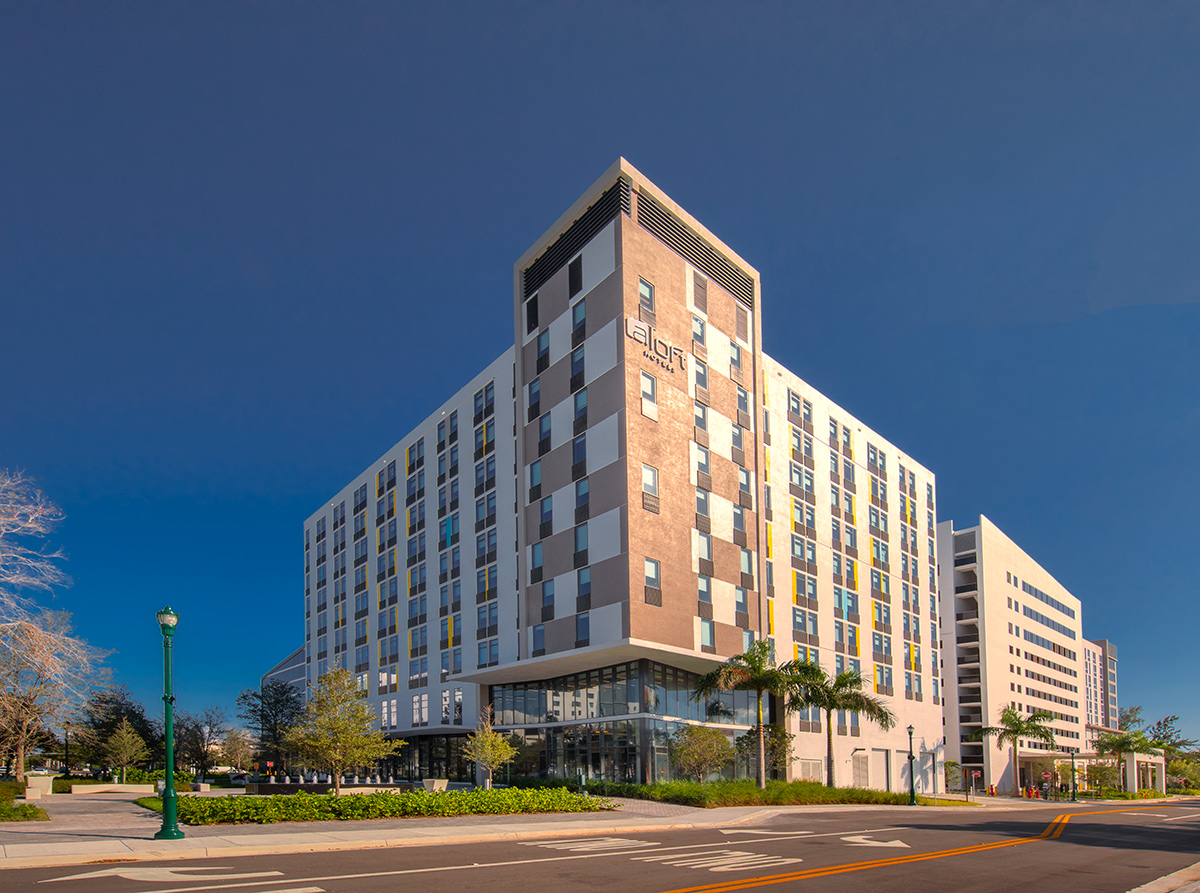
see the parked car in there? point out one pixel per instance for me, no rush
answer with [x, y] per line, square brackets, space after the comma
[40, 770]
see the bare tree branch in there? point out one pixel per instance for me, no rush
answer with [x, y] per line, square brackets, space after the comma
[25, 513]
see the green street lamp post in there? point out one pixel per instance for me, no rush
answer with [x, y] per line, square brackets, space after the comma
[1074, 799]
[67, 748]
[912, 776]
[170, 827]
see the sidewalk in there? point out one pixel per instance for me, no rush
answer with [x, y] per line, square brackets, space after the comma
[92, 827]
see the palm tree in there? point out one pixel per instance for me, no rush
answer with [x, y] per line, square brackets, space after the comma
[811, 686]
[1120, 743]
[752, 670]
[1015, 725]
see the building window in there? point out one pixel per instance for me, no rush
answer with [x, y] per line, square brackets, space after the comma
[701, 416]
[743, 400]
[579, 449]
[582, 493]
[575, 276]
[650, 480]
[649, 388]
[531, 316]
[736, 437]
[581, 404]
[701, 375]
[581, 538]
[543, 349]
[548, 594]
[577, 361]
[706, 547]
[698, 330]
[702, 462]
[701, 502]
[535, 396]
[704, 589]
[539, 638]
[548, 510]
[707, 639]
[652, 570]
[578, 316]
[646, 295]
[735, 356]
[583, 580]
[649, 396]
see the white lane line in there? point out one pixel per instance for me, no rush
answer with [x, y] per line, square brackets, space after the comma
[1176, 818]
[161, 875]
[599, 844]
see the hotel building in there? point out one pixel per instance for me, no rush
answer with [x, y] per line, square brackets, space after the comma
[1100, 687]
[1016, 637]
[652, 493]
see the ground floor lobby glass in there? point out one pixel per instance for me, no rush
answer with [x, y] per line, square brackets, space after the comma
[628, 712]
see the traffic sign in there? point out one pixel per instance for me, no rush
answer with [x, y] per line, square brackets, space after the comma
[976, 773]
[1046, 776]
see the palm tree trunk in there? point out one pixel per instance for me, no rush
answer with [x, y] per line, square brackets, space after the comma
[1016, 787]
[829, 749]
[762, 747]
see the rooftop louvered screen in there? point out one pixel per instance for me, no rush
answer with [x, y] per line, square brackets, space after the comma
[611, 202]
[693, 248]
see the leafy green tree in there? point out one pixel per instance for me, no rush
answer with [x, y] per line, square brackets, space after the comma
[236, 749]
[1101, 776]
[269, 712]
[100, 715]
[954, 774]
[1015, 725]
[811, 686]
[1130, 718]
[488, 748]
[1166, 735]
[779, 747]
[125, 748]
[338, 731]
[700, 750]
[199, 738]
[1121, 743]
[1186, 770]
[752, 670]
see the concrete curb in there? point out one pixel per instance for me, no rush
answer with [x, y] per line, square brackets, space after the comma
[1186, 880]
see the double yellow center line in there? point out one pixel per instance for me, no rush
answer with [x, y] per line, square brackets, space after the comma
[1051, 832]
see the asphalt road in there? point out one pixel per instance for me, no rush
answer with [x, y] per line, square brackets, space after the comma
[1114, 847]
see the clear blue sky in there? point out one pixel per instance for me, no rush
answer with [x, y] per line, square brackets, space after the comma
[245, 247]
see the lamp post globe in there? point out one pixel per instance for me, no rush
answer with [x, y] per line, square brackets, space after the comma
[167, 620]
[912, 778]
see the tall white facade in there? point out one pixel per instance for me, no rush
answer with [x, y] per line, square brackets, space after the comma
[1013, 635]
[851, 526]
[410, 568]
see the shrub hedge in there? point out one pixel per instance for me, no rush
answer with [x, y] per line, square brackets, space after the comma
[10, 791]
[380, 805]
[744, 793]
[22, 812]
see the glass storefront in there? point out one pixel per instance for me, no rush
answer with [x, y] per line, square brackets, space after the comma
[563, 727]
